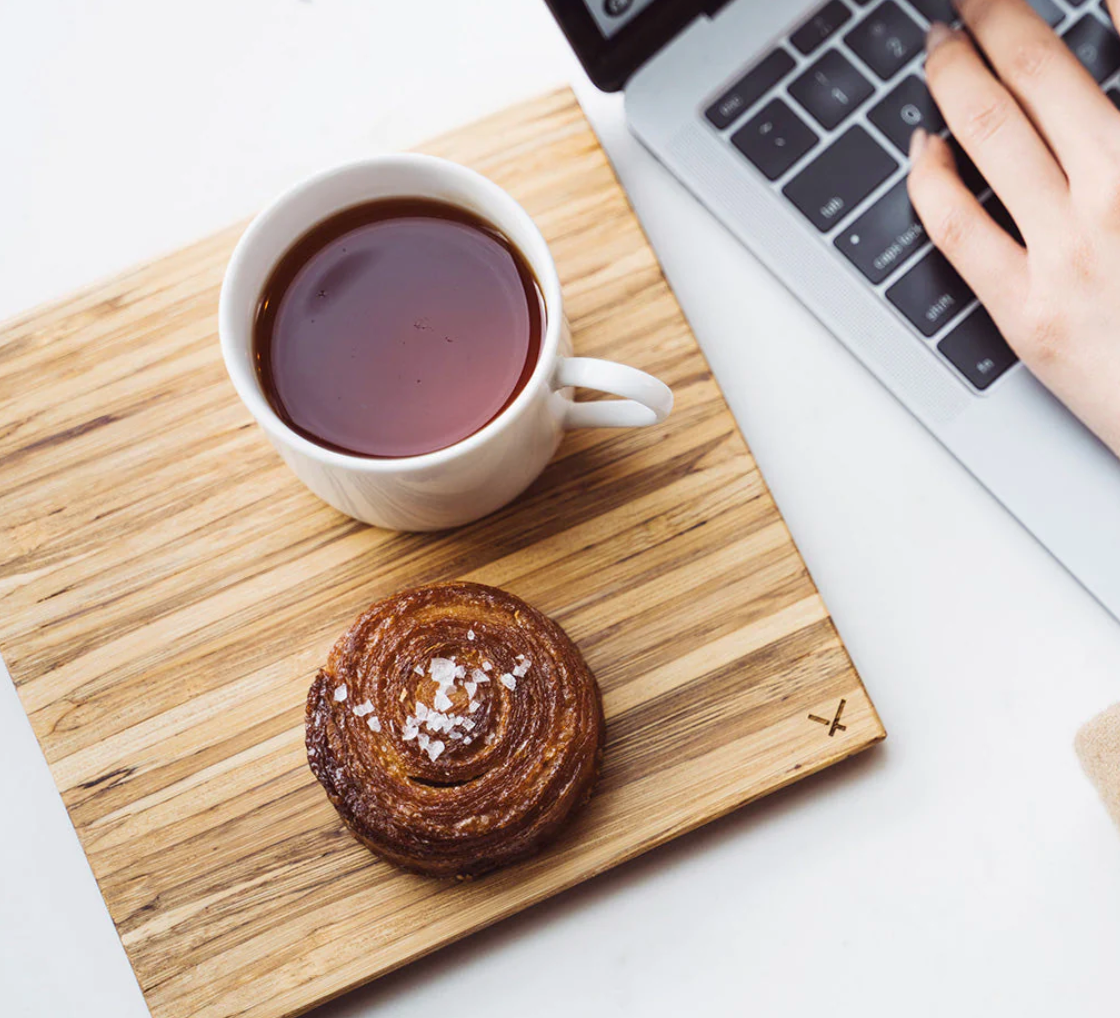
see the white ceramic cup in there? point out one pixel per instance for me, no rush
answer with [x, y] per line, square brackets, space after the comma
[484, 471]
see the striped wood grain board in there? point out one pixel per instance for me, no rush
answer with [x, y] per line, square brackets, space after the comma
[167, 591]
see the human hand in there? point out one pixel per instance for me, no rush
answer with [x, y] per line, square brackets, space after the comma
[1047, 139]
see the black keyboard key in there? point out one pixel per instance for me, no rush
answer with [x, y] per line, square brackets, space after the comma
[909, 106]
[937, 10]
[1114, 94]
[775, 139]
[751, 87]
[886, 39]
[977, 350]
[1095, 45]
[931, 294]
[944, 11]
[1048, 11]
[969, 174]
[840, 178]
[884, 237]
[998, 211]
[820, 26]
[1076, 3]
[831, 89]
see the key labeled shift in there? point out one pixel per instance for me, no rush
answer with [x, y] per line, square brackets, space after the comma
[931, 294]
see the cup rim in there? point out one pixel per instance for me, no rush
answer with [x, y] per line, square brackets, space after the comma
[540, 263]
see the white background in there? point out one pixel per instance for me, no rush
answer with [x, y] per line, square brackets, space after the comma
[965, 864]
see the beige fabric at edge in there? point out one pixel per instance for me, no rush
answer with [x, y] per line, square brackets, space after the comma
[1098, 746]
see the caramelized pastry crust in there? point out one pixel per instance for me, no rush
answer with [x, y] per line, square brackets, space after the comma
[455, 728]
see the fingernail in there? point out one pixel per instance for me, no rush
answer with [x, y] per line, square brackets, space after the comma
[917, 143]
[938, 33]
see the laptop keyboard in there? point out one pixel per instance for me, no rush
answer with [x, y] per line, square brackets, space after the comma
[826, 117]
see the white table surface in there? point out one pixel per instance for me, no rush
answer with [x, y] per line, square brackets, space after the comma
[965, 864]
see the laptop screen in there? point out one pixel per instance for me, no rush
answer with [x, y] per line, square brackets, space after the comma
[613, 38]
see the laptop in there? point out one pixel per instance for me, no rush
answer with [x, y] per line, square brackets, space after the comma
[791, 121]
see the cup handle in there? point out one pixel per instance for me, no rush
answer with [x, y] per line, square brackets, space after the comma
[647, 400]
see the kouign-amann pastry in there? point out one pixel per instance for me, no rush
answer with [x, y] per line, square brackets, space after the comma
[455, 729]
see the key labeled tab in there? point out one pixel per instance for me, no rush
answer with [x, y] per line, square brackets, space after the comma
[840, 178]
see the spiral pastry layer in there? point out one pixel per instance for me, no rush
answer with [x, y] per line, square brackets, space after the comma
[455, 729]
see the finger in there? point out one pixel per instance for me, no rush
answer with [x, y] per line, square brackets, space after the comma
[996, 134]
[1048, 81]
[992, 264]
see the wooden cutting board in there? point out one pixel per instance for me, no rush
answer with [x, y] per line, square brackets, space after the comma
[168, 590]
